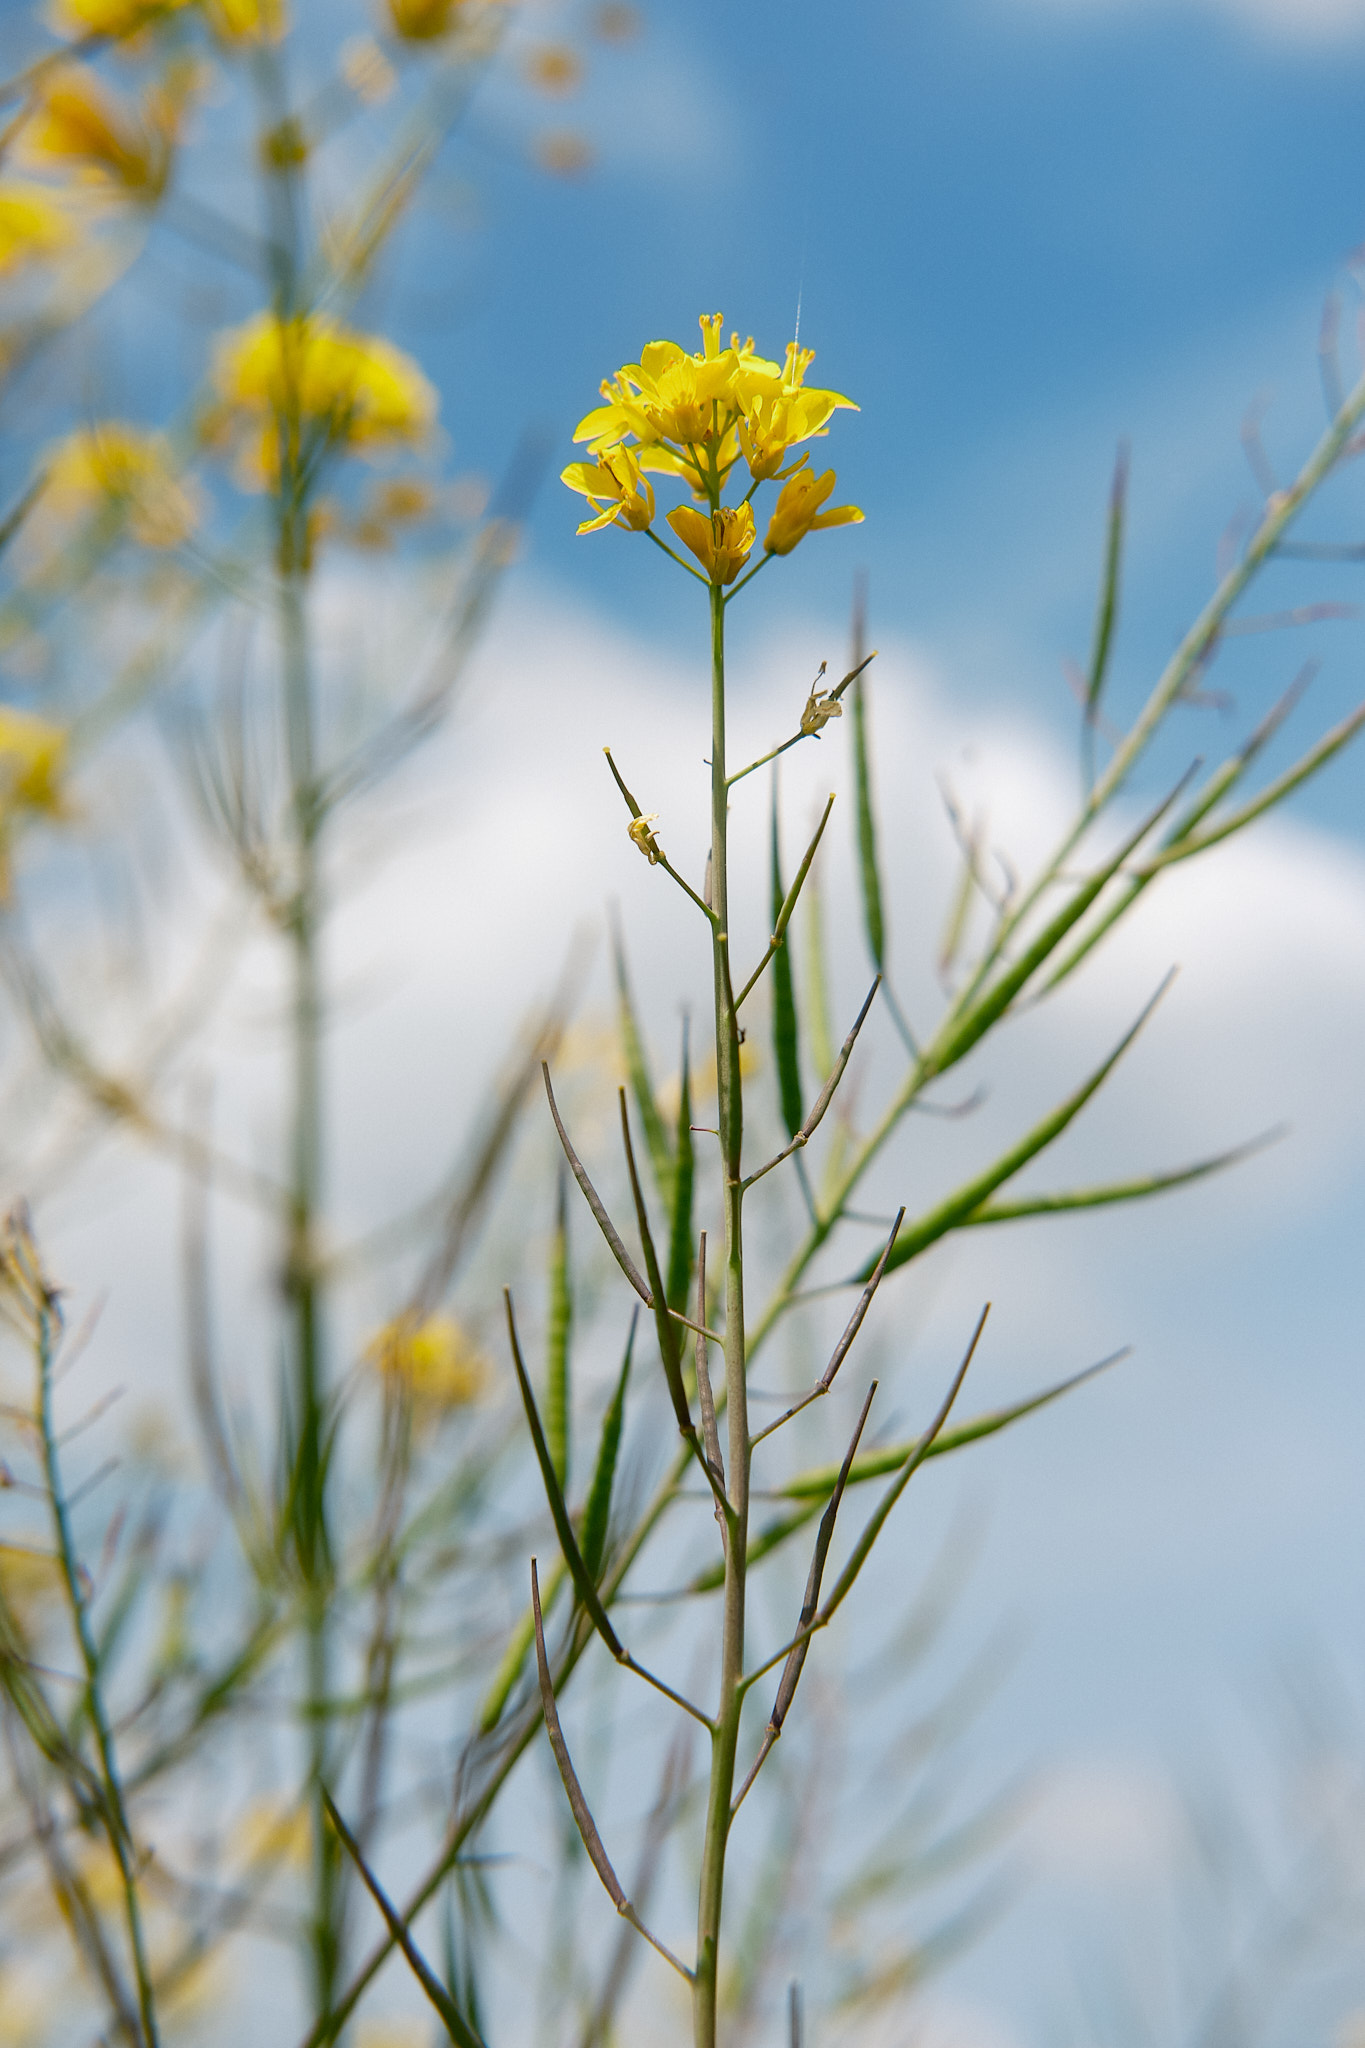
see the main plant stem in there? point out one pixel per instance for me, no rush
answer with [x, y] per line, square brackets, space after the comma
[312, 1546]
[306, 1399]
[730, 1124]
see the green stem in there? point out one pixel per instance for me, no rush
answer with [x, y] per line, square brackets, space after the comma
[114, 1810]
[308, 1392]
[730, 1122]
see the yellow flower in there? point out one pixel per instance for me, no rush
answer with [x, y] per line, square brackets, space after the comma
[696, 414]
[819, 710]
[123, 468]
[797, 511]
[32, 760]
[79, 129]
[615, 489]
[638, 828]
[247, 21]
[32, 224]
[778, 417]
[76, 18]
[422, 21]
[434, 1359]
[720, 540]
[312, 379]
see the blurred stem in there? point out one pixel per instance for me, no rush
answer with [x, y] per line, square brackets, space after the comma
[305, 1281]
[114, 1812]
[725, 1737]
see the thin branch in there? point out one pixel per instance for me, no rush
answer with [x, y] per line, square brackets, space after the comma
[841, 1349]
[455, 2022]
[789, 903]
[594, 1200]
[791, 1676]
[573, 1557]
[863, 1548]
[826, 1095]
[583, 1820]
[705, 1397]
[659, 857]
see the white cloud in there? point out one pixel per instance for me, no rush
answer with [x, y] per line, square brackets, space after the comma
[1308, 22]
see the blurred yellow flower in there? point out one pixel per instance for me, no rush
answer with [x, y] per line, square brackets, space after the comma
[247, 21]
[31, 1583]
[23, 2008]
[367, 70]
[720, 540]
[433, 1358]
[33, 224]
[80, 130]
[273, 1831]
[797, 511]
[312, 381]
[32, 761]
[564, 153]
[553, 68]
[615, 489]
[422, 21]
[74, 18]
[122, 468]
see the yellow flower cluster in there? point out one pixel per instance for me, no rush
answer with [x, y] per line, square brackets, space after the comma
[121, 468]
[79, 130]
[235, 21]
[433, 1359]
[78, 18]
[697, 416]
[310, 382]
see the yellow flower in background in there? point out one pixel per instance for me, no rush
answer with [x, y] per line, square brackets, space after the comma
[78, 129]
[32, 763]
[553, 68]
[247, 21]
[311, 378]
[23, 2007]
[720, 540]
[615, 489]
[75, 18]
[273, 1831]
[122, 468]
[424, 21]
[436, 1361]
[31, 1583]
[33, 224]
[797, 511]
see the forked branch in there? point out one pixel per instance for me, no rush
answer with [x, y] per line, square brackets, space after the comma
[796, 1657]
[826, 1095]
[583, 1820]
[842, 1348]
